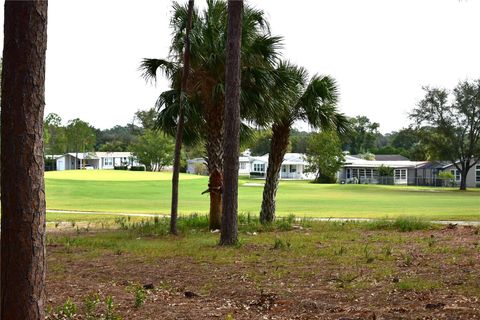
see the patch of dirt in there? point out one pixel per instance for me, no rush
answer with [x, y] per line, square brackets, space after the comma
[184, 288]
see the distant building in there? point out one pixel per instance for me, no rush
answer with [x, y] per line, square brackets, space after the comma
[358, 170]
[405, 172]
[95, 160]
[293, 166]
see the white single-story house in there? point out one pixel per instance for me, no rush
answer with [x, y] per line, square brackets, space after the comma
[357, 170]
[293, 166]
[95, 160]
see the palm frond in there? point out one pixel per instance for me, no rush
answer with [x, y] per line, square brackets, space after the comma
[149, 68]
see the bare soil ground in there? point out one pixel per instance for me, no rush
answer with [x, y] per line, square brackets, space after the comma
[301, 274]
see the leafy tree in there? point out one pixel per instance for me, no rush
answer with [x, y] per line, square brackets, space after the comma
[147, 118]
[405, 139]
[324, 155]
[299, 141]
[385, 171]
[204, 112]
[154, 149]
[231, 146]
[453, 122]
[298, 97]
[80, 137]
[23, 257]
[363, 136]
[260, 143]
[117, 138]
[54, 135]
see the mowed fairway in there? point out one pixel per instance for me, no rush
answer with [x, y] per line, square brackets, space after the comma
[149, 192]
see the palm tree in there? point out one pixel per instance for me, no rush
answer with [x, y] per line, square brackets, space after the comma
[181, 122]
[310, 100]
[232, 124]
[23, 261]
[206, 86]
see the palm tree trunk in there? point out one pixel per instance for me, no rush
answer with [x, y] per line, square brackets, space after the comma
[214, 148]
[180, 122]
[229, 226]
[278, 148]
[23, 261]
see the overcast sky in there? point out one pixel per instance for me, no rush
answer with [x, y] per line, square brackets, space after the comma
[380, 51]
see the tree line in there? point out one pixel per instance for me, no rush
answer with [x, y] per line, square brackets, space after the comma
[152, 147]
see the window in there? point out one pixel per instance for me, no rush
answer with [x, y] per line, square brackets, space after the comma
[349, 173]
[243, 165]
[108, 162]
[368, 173]
[457, 174]
[293, 168]
[259, 167]
[477, 173]
[400, 174]
[355, 173]
[361, 173]
[284, 168]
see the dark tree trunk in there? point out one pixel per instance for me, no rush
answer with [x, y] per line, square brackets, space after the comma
[22, 187]
[214, 147]
[180, 123]
[464, 168]
[278, 148]
[229, 226]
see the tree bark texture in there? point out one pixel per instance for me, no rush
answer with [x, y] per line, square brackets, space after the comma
[229, 228]
[278, 148]
[22, 185]
[180, 122]
[214, 148]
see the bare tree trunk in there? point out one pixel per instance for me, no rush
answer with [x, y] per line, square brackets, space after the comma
[278, 148]
[180, 122]
[22, 186]
[229, 234]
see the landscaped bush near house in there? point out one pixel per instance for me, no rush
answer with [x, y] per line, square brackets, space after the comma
[448, 178]
[256, 174]
[120, 167]
[200, 169]
[137, 168]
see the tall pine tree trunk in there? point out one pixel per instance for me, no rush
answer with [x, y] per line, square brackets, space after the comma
[22, 287]
[229, 226]
[180, 123]
[278, 148]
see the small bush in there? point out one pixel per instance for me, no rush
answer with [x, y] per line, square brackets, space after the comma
[280, 244]
[138, 168]
[120, 167]
[140, 295]
[90, 306]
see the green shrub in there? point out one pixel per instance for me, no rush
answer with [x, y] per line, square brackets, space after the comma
[402, 224]
[120, 167]
[137, 168]
[280, 244]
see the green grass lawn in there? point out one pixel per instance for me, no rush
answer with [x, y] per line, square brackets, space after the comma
[147, 192]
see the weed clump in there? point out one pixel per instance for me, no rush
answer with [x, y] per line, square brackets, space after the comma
[402, 224]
